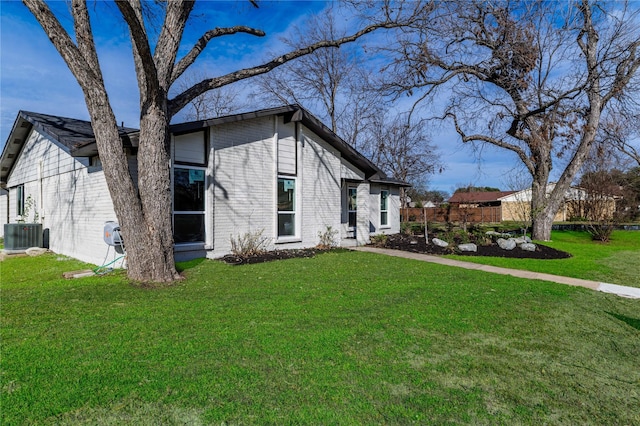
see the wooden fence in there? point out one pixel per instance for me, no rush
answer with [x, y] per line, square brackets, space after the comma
[452, 214]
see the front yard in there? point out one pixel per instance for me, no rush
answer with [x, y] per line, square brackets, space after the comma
[615, 262]
[342, 338]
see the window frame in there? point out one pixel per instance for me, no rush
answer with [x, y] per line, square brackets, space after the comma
[355, 210]
[294, 212]
[202, 212]
[384, 208]
[20, 200]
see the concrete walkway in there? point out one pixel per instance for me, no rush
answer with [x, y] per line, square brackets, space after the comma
[630, 292]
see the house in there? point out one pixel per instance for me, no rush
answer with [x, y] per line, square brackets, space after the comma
[496, 206]
[278, 171]
[476, 199]
[577, 204]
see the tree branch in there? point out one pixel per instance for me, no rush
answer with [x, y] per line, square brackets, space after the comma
[63, 43]
[181, 100]
[200, 45]
[168, 44]
[145, 65]
[84, 36]
[494, 141]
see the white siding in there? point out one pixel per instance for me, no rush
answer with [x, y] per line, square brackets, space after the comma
[349, 171]
[287, 148]
[244, 179]
[4, 210]
[72, 203]
[320, 188]
[363, 218]
[393, 225]
[245, 174]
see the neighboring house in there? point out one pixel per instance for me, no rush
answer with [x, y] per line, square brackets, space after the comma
[478, 199]
[279, 171]
[517, 206]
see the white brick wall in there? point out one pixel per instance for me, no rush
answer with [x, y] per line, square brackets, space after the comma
[4, 210]
[245, 177]
[243, 180]
[320, 188]
[393, 226]
[71, 202]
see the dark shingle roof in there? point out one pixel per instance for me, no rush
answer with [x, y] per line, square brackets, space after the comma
[76, 136]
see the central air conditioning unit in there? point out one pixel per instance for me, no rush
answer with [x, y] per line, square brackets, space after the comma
[21, 236]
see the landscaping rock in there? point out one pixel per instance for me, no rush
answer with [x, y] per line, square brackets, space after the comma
[468, 247]
[509, 244]
[439, 242]
[520, 240]
[528, 247]
[496, 234]
[35, 251]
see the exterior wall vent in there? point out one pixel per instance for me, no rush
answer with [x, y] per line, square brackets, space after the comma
[21, 236]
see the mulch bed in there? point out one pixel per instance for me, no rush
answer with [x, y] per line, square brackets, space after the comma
[417, 244]
[269, 256]
[405, 242]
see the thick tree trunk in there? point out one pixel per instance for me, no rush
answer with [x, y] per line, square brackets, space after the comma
[153, 259]
[145, 219]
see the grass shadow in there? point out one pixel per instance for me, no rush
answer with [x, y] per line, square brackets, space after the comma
[189, 264]
[633, 322]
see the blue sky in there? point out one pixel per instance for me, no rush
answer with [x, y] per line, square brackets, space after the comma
[33, 77]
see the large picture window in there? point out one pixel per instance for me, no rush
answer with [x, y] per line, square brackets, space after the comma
[188, 204]
[286, 207]
[384, 208]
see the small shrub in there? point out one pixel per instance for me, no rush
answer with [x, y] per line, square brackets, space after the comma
[481, 238]
[412, 228]
[379, 240]
[327, 238]
[249, 244]
[600, 232]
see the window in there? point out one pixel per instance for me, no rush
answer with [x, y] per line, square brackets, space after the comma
[352, 205]
[20, 200]
[384, 208]
[286, 207]
[188, 204]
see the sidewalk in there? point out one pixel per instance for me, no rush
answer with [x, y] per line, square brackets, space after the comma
[630, 292]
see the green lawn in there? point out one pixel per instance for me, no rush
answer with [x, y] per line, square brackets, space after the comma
[616, 262]
[342, 338]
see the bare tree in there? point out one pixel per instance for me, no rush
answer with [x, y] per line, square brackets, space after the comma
[519, 181]
[144, 210]
[403, 150]
[530, 77]
[336, 84]
[622, 132]
[333, 83]
[597, 193]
